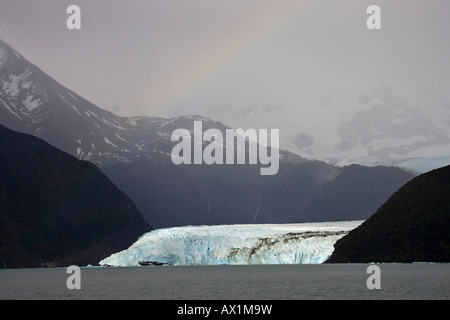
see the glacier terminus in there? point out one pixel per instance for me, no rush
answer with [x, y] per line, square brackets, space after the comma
[305, 243]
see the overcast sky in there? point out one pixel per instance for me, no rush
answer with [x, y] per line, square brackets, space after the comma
[164, 57]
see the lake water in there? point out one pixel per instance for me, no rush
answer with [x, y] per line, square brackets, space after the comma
[246, 282]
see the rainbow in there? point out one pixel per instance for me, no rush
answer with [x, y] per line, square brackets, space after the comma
[267, 21]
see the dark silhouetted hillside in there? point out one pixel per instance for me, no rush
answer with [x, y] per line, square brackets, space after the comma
[56, 210]
[413, 225]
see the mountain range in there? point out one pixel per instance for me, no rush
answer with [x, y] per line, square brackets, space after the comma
[135, 154]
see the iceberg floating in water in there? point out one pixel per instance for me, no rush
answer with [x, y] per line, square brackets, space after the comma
[305, 243]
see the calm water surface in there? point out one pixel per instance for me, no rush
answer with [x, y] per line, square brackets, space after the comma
[254, 282]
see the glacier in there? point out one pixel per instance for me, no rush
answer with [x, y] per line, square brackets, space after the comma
[304, 243]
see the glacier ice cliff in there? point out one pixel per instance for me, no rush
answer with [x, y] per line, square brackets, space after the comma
[305, 243]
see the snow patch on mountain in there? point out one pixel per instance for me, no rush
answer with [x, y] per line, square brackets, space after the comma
[109, 142]
[31, 102]
[11, 87]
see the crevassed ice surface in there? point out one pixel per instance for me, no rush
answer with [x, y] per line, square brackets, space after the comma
[306, 243]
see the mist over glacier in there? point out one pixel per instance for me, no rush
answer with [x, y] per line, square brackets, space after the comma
[305, 243]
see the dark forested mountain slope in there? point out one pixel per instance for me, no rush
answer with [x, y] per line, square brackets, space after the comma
[56, 210]
[413, 225]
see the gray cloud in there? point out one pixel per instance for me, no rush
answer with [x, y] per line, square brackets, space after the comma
[170, 57]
